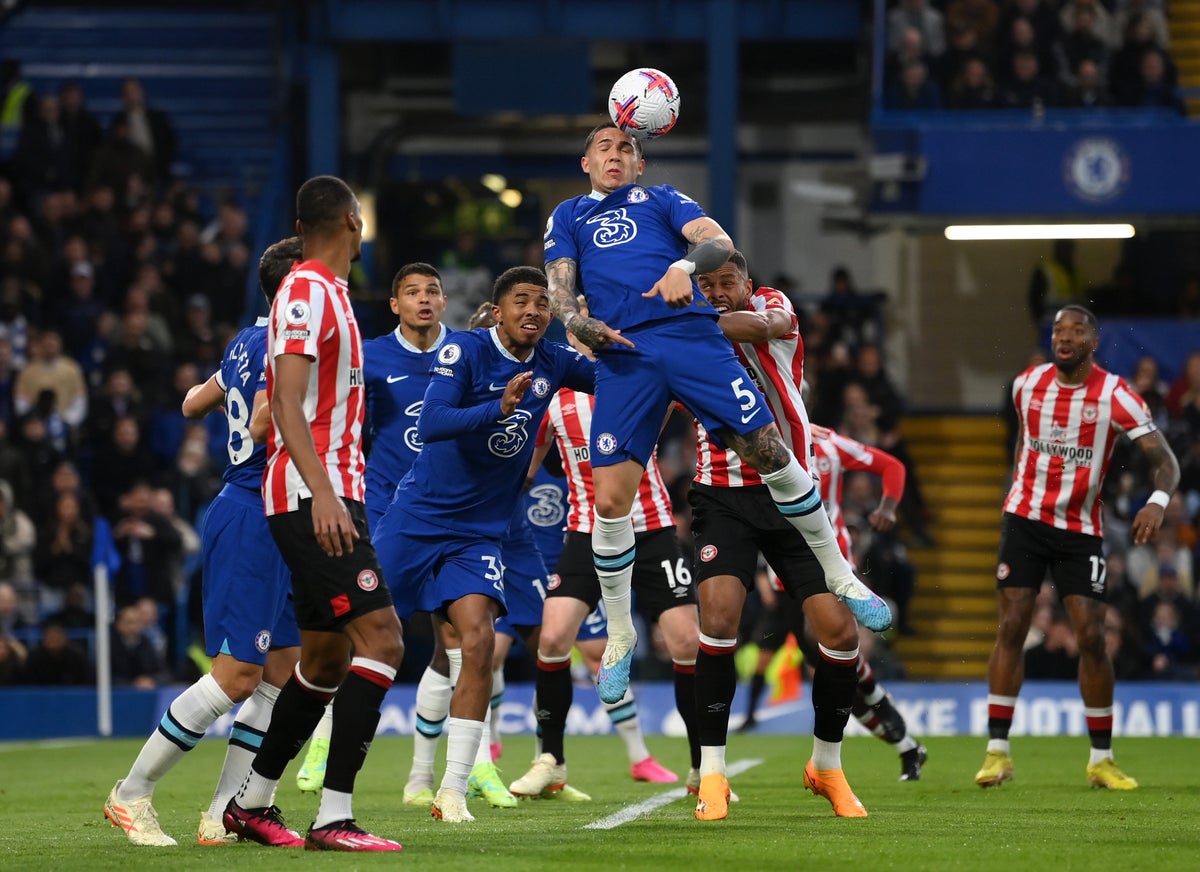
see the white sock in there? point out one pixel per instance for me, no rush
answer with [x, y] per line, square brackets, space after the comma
[483, 754]
[335, 806]
[433, 704]
[614, 549]
[905, 744]
[324, 728]
[462, 742]
[1000, 745]
[712, 760]
[182, 726]
[497, 698]
[244, 741]
[1098, 755]
[624, 717]
[826, 755]
[792, 487]
[454, 655]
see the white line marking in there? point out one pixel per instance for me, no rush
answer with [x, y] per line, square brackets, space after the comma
[635, 811]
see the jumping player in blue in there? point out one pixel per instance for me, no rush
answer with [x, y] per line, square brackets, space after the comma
[626, 245]
[440, 538]
[249, 624]
[396, 372]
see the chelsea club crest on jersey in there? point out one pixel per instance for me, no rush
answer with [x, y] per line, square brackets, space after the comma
[638, 194]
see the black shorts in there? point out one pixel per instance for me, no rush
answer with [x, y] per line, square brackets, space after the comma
[732, 525]
[662, 578]
[329, 592]
[1029, 548]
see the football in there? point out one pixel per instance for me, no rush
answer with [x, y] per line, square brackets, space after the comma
[644, 103]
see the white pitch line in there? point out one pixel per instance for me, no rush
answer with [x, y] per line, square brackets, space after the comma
[635, 811]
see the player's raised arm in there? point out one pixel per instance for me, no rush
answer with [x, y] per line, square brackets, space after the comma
[711, 247]
[1165, 475]
[203, 398]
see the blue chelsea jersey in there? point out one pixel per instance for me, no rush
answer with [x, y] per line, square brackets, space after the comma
[544, 506]
[469, 474]
[396, 373]
[623, 244]
[243, 374]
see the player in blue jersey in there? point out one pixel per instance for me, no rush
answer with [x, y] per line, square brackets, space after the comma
[626, 245]
[249, 625]
[440, 538]
[396, 372]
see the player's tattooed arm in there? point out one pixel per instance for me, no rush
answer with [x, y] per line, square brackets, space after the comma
[762, 448]
[1165, 477]
[711, 246]
[590, 331]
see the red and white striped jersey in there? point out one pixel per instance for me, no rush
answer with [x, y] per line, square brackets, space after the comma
[1067, 438]
[311, 315]
[835, 454]
[570, 418]
[777, 368]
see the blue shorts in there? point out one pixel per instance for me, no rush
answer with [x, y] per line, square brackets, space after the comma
[247, 589]
[594, 626]
[429, 567]
[687, 359]
[525, 578]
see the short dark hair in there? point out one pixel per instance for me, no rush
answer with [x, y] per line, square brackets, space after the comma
[322, 201]
[1083, 311]
[276, 262]
[739, 260]
[587, 143]
[510, 278]
[414, 269]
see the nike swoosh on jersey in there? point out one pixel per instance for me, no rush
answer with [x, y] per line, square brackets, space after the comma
[495, 387]
[392, 379]
[746, 418]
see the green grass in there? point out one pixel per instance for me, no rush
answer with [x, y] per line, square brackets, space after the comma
[52, 797]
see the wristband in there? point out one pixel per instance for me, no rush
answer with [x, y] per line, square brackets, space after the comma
[684, 264]
[1159, 498]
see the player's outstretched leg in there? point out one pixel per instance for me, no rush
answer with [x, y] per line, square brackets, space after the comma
[614, 551]
[875, 710]
[311, 777]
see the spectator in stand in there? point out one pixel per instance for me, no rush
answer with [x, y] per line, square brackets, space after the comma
[135, 348]
[854, 317]
[980, 16]
[12, 660]
[965, 45]
[1040, 14]
[148, 128]
[1080, 43]
[194, 478]
[1147, 562]
[44, 161]
[1148, 384]
[15, 105]
[1154, 88]
[55, 661]
[135, 660]
[973, 88]
[18, 539]
[913, 90]
[1023, 86]
[1125, 69]
[63, 558]
[12, 617]
[1184, 394]
[80, 129]
[1056, 657]
[1023, 37]
[75, 614]
[1168, 644]
[1076, 14]
[78, 315]
[162, 501]
[920, 16]
[50, 370]
[36, 446]
[8, 379]
[121, 461]
[117, 162]
[150, 549]
[197, 333]
[14, 466]
[1124, 646]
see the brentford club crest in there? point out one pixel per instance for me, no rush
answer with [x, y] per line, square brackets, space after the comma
[368, 580]
[1002, 571]
[553, 581]
[1090, 412]
[707, 553]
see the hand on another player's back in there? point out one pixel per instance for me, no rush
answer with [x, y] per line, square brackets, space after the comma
[675, 287]
[517, 386]
[595, 334]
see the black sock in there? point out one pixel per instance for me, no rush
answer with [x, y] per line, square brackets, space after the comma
[554, 695]
[355, 717]
[716, 683]
[294, 717]
[757, 684]
[685, 702]
[832, 696]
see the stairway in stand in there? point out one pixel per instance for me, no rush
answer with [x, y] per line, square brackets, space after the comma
[963, 468]
[1183, 22]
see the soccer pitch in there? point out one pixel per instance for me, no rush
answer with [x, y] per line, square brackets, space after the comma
[1047, 818]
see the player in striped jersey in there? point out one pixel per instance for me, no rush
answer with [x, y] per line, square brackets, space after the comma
[313, 493]
[1070, 413]
[661, 579]
[249, 624]
[396, 370]
[657, 341]
[733, 520]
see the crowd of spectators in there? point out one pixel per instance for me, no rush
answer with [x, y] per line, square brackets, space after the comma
[119, 289]
[1029, 54]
